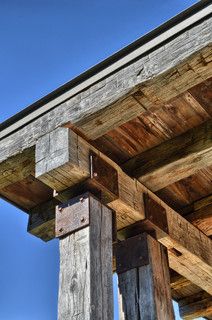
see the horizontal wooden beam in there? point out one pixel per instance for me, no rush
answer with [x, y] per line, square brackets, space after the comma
[196, 306]
[63, 161]
[181, 287]
[157, 76]
[202, 219]
[199, 213]
[188, 248]
[174, 159]
[17, 168]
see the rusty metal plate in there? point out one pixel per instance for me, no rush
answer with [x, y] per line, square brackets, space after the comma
[131, 253]
[155, 213]
[72, 215]
[103, 178]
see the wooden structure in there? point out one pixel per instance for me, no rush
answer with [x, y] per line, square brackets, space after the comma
[118, 163]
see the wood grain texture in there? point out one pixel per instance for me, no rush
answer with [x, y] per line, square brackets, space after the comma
[27, 193]
[153, 127]
[86, 288]
[72, 166]
[41, 222]
[162, 74]
[189, 190]
[145, 290]
[174, 159]
[196, 306]
[182, 287]
[202, 219]
[194, 261]
[17, 168]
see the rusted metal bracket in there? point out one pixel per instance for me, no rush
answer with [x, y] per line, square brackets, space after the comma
[72, 215]
[155, 221]
[103, 179]
[75, 215]
[155, 214]
[131, 253]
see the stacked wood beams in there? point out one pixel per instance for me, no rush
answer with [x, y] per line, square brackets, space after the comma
[188, 248]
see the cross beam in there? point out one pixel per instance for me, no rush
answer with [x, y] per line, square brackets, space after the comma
[64, 164]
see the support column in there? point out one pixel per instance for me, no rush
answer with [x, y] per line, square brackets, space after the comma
[144, 282]
[84, 226]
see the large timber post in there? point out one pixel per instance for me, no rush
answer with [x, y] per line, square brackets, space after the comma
[144, 283]
[84, 226]
[71, 166]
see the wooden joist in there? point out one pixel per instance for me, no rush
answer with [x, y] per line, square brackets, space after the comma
[174, 159]
[188, 248]
[198, 305]
[199, 214]
[202, 219]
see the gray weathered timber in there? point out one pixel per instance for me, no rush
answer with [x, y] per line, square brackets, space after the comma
[145, 290]
[191, 257]
[86, 288]
[160, 75]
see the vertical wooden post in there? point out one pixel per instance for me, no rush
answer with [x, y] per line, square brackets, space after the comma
[144, 282]
[86, 287]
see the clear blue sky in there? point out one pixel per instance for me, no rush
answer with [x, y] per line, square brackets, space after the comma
[44, 44]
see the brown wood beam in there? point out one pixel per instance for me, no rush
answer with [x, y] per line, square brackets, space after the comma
[66, 165]
[202, 219]
[199, 214]
[174, 159]
[181, 287]
[17, 168]
[198, 305]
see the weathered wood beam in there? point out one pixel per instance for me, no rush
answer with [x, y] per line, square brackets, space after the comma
[144, 282]
[202, 219]
[17, 168]
[188, 248]
[181, 287]
[199, 213]
[159, 75]
[41, 221]
[198, 305]
[174, 159]
[63, 161]
[86, 285]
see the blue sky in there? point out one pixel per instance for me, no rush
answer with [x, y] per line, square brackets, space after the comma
[43, 45]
